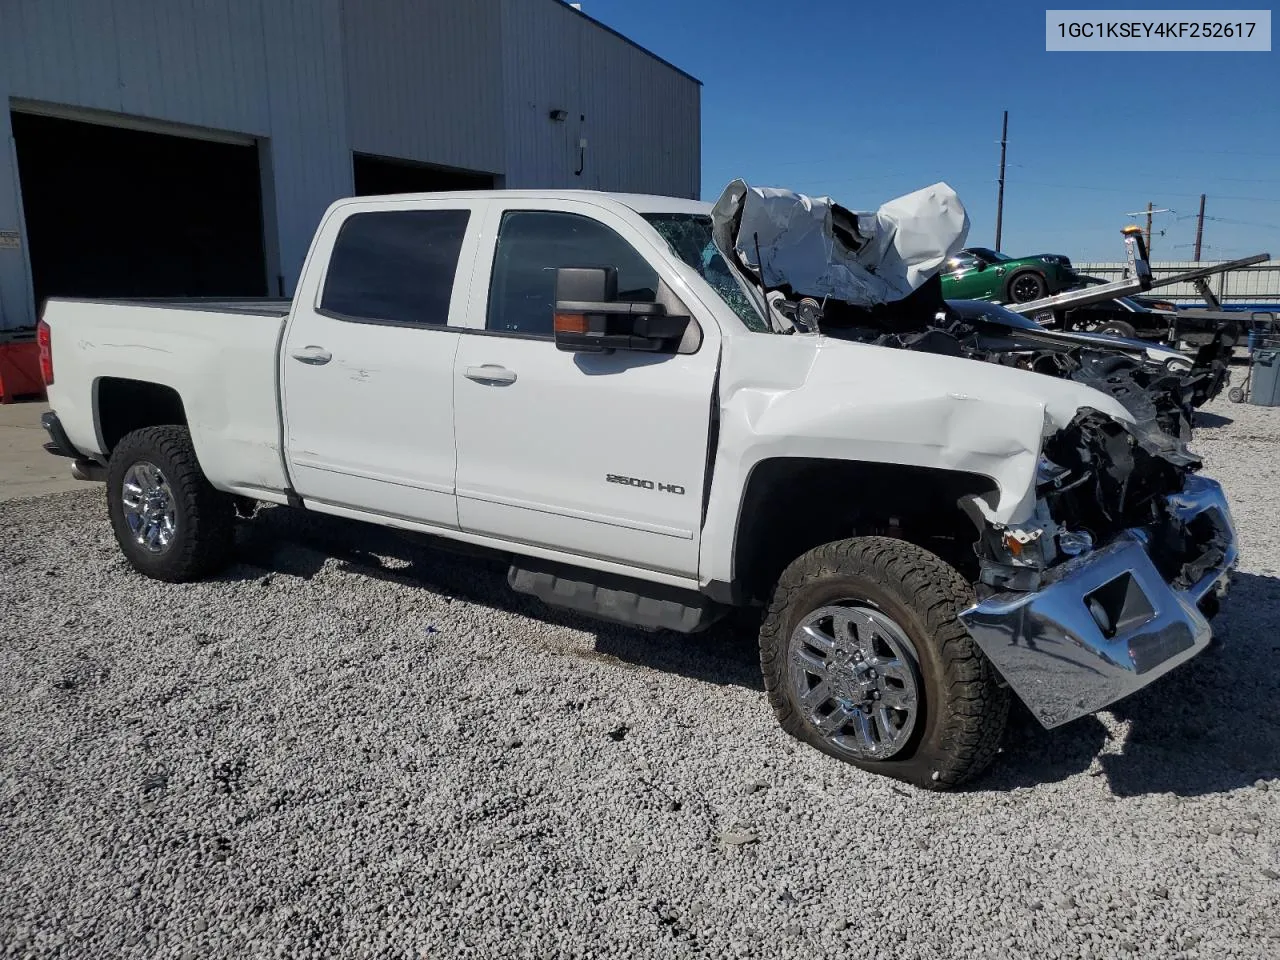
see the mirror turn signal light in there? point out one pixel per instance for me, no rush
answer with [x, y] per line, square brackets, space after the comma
[570, 323]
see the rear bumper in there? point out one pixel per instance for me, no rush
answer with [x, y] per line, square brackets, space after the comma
[83, 467]
[1107, 624]
[58, 444]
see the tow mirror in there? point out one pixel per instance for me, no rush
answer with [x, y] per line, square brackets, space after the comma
[589, 317]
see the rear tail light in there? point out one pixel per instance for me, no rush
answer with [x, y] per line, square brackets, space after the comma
[44, 341]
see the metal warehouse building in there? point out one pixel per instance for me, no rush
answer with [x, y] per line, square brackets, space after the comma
[189, 147]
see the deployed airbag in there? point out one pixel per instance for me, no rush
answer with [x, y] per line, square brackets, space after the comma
[814, 247]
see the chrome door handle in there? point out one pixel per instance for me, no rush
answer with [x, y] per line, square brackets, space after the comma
[313, 355]
[491, 373]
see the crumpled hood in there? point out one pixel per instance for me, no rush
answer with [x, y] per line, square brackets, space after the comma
[964, 380]
[856, 402]
[815, 247]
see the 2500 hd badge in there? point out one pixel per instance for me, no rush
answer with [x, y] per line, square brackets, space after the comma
[644, 484]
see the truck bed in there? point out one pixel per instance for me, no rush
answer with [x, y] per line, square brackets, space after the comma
[218, 356]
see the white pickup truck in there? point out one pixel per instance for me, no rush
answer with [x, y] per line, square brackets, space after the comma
[930, 514]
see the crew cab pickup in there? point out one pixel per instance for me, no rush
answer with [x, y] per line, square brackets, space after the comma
[604, 389]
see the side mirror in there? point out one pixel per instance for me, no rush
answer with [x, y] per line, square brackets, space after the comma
[980, 265]
[589, 317]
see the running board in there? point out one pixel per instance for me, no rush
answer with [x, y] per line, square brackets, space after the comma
[622, 600]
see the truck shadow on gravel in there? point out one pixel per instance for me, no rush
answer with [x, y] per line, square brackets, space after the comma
[1204, 420]
[1211, 726]
[294, 543]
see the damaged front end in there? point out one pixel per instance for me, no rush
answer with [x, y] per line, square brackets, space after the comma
[1114, 580]
[1120, 550]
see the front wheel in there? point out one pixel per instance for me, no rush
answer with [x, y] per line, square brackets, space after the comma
[170, 522]
[1026, 286]
[866, 659]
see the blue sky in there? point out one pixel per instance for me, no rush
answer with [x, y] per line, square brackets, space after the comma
[868, 99]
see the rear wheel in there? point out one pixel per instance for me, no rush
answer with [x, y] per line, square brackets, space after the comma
[1117, 328]
[170, 522]
[865, 658]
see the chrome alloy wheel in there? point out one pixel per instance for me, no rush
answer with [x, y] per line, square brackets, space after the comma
[149, 509]
[854, 675]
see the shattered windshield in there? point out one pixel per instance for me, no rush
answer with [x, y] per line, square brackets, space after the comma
[689, 236]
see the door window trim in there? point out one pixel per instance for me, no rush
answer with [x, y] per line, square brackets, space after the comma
[383, 322]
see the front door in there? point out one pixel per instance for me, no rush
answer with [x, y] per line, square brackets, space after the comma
[963, 280]
[367, 363]
[600, 455]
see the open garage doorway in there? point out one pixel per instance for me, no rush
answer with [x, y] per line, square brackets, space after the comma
[116, 212]
[378, 175]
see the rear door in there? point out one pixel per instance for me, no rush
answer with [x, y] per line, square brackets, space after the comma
[367, 363]
[599, 455]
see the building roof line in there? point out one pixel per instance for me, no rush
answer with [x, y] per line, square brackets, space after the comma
[623, 37]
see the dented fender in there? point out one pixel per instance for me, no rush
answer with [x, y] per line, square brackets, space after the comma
[825, 398]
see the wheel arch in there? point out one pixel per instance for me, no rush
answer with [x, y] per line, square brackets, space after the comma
[793, 504]
[122, 405]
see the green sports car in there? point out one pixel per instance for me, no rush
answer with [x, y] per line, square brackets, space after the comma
[976, 273]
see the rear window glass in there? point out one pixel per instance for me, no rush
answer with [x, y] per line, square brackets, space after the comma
[395, 266]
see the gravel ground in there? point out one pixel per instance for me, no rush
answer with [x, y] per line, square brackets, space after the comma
[350, 745]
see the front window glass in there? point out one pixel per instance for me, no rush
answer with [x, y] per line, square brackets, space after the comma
[689, 236]
[533, 244]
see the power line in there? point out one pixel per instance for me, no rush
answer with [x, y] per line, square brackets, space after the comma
[1167, 193]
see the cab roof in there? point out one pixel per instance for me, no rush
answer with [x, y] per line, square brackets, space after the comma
[639, 202]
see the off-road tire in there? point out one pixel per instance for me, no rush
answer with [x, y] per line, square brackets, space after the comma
[205, 518]
[965, 705]
[1023, 275]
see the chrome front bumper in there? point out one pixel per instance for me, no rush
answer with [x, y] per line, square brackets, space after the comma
[1105, 624]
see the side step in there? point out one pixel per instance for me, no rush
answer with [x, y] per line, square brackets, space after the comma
[620, 599]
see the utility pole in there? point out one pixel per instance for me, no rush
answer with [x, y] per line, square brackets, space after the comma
[1151, 209]
[1004, 139]
[1199, 228]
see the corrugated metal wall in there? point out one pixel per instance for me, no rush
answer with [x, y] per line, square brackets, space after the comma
[422, 82]
[460, 84]
[1259, 283]
[309, 153]
[641, 117]
[270, 69]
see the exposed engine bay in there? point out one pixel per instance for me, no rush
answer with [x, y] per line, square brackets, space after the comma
[1161, 390]
[1098, 476]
